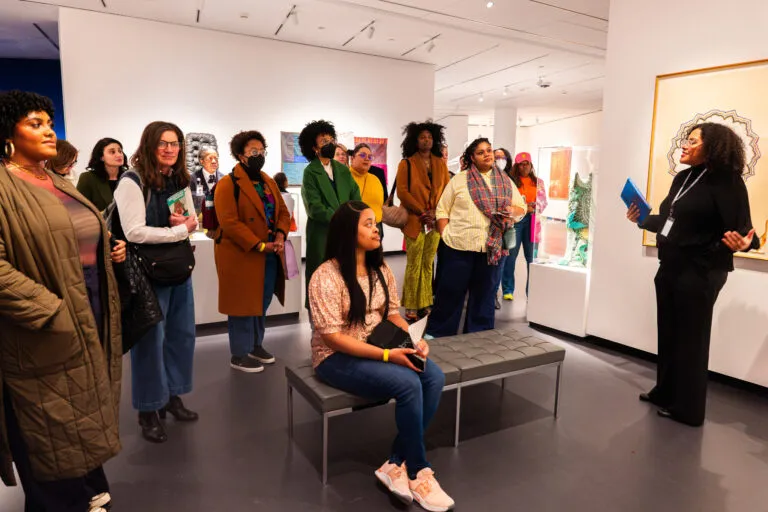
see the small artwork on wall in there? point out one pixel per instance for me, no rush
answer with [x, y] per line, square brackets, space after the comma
[560, 174]
[724, 95]
[292, 162]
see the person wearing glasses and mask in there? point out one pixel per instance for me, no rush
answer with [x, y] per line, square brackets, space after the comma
[253, 225]
[161, 361]
[371, 190]
[65, 159]
[326, 185]
[703, 220]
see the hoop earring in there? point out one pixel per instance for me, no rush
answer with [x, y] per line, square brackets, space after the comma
[10, 149]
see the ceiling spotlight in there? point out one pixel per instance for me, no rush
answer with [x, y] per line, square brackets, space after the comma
[431, 47]
[481, 98]
[489, 5]
[371, 31]
[506, 91]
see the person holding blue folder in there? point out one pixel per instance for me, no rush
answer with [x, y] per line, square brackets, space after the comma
[703, 220]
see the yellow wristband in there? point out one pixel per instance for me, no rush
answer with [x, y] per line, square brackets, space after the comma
[262, 246]
[386, 355]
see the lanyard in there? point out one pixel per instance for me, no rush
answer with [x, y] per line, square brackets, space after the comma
[683, 190]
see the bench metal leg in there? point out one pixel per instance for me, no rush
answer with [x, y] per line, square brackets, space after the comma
[557, 388]
[290, 411]
[458, 416]
[503, 383]
[325, 448]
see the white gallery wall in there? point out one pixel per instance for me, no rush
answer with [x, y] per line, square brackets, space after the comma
[119, 74]
[647, 39]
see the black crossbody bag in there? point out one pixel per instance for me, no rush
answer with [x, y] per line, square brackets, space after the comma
[387, 335]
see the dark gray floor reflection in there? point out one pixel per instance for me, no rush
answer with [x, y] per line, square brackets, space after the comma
[607, 452]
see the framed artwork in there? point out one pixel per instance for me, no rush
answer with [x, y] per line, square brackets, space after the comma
[726, 95]
[292, 162]
[560, 174]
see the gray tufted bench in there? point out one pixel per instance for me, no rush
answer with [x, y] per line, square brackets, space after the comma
[466, 360]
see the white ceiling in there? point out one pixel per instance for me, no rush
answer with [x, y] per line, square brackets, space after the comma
[499, 52]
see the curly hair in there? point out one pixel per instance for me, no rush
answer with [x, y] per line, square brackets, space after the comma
[467, 156]
[96, 164]
[14, 106]
[411, 131]
[240, 140]
[723, 149]
[308, 137]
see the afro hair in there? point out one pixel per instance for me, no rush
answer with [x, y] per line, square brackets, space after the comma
[411, 131]
[14, 106]
[308, 137]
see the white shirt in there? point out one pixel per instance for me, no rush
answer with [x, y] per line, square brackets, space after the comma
[133, 216]
[328, 169]
[207, 176]
[289, 202]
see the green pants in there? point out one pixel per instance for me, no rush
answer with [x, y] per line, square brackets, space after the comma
[420, 252]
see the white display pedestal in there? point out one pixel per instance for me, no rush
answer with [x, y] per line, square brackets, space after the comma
[205, 282]
[558, 298]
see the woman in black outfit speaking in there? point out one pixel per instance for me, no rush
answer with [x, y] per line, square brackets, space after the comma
[703, 220]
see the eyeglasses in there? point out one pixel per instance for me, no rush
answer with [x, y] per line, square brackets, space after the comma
[689, 143]
[257, 152]
[71, 165]
[365, 156]
[164, 144]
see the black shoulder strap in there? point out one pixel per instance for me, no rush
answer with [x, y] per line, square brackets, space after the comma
[134, 176]
[394, 185]
[380, 275]
[236, 186]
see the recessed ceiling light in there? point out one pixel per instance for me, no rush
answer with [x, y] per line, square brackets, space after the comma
[320, 28]
[489, 5]
[391, 39]
[506, 91]
[244, 16]
[481, 98]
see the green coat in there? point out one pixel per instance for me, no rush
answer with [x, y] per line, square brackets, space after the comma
[95, 189]
[321, 202]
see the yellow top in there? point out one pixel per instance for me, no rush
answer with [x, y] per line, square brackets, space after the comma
[468, 228]
[371, 192]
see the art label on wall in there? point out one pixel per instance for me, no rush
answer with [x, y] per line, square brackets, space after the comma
[560, 174]
[292, 162]
[378, 149]
[725, 95]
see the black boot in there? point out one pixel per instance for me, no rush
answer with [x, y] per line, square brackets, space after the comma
[176, 407]
[151, 428]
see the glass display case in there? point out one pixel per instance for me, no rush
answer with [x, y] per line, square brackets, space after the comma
[564, 210]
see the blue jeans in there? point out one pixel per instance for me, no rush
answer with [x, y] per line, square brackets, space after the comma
[247, 332]
[161, 361]
[417, 396]
[522, 236]
[464, 272]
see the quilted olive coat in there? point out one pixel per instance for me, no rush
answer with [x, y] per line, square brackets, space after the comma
[63, 384]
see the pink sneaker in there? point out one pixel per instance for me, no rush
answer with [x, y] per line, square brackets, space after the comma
[428, 493]
[395, 479]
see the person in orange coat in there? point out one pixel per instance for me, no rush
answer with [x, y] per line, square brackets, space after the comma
[253, 225]
[421, 177]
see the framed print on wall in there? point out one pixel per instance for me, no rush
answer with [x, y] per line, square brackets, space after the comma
[729, 95]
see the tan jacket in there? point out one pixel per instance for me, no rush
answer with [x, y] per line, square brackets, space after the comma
[63, 384]
[420, 193]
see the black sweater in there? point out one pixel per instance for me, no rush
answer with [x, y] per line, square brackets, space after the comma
[716, 204]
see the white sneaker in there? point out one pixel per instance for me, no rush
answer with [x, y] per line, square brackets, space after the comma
[395, 480]
[98, 501]
[428, 493]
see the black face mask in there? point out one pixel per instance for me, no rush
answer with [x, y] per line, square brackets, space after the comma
[254, 166]
[328, 151]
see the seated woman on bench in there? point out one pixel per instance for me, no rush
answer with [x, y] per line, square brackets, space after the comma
[348, 300]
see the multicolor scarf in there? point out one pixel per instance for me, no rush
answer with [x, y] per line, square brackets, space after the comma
[492, 202]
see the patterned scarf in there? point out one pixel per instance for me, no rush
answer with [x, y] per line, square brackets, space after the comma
[490, 202]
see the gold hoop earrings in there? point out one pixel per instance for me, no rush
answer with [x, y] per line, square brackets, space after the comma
[10, 149]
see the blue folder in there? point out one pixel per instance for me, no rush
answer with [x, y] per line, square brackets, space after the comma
[632, 195]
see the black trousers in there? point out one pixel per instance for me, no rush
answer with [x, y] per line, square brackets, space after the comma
[685, 299]
[67, 495]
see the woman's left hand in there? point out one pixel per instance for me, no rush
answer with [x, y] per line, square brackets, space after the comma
[735, 242]
[279, 243]
[118, 252]
[423, 348]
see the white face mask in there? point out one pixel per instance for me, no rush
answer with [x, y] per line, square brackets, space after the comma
[501, 163]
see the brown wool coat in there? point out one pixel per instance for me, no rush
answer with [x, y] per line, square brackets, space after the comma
[243, 226]
[63, 384]
[421, 194]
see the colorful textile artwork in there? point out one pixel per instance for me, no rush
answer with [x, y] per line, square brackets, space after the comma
[292, 161]
[379, 150]
[560, 174]
[724, 95]
[578, 222]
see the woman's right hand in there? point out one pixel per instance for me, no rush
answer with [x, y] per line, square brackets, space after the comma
[191, 223]
[175, 219]
[633, 213]
[400, 356]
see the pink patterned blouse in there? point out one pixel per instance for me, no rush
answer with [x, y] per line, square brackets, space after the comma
[329, 304]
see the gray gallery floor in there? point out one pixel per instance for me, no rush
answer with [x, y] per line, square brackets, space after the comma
[607, 452]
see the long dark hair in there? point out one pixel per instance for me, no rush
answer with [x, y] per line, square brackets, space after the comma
[724, 149]
[411, 131]
[341, 246]
[144, 160]
[282, 181]
[517, 177]
[470, 150]
[96, 164]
